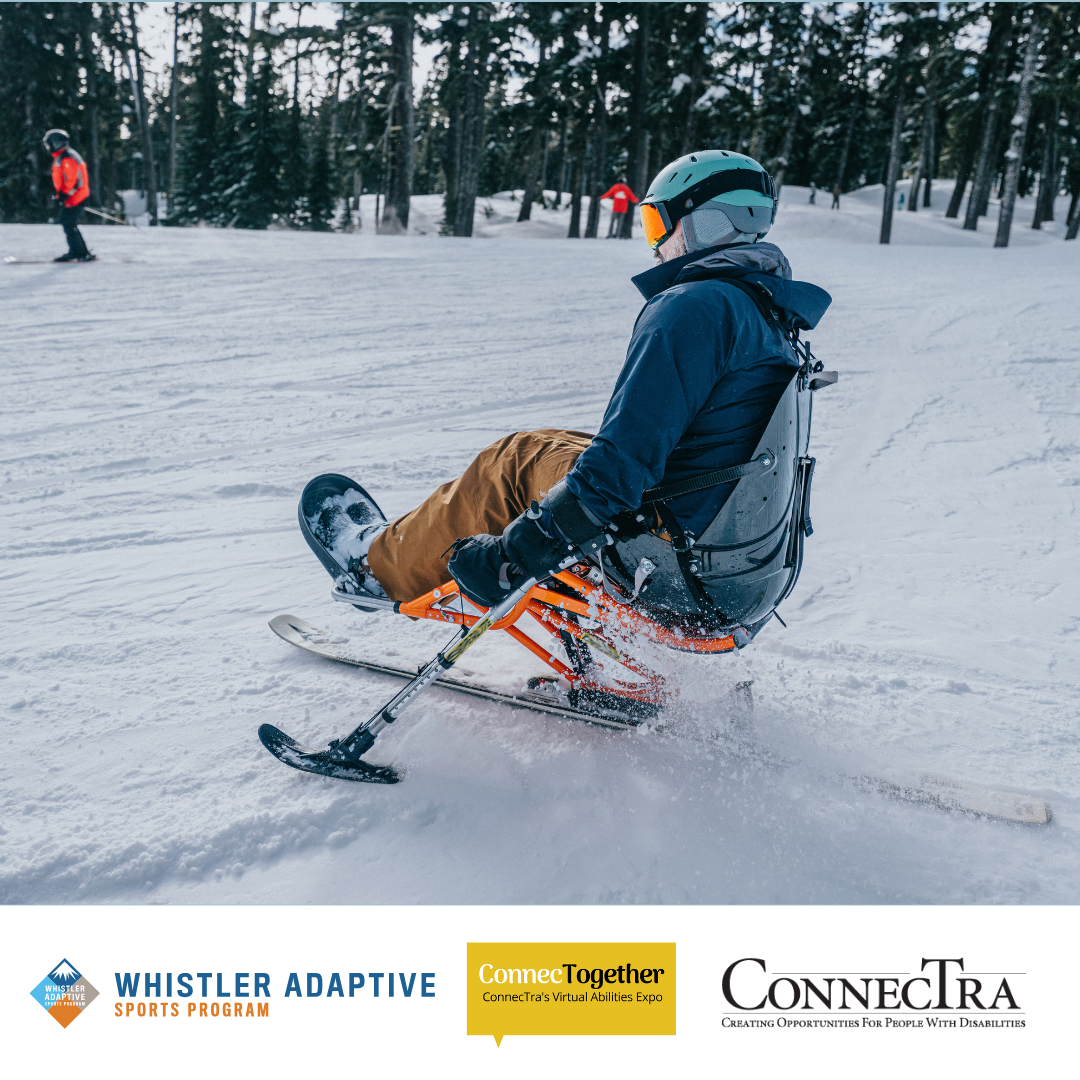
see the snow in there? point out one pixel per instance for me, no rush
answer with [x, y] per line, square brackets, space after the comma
[163, 408]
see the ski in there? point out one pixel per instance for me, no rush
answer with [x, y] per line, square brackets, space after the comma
[313, 640]
[968, 798]
[14, 260]
[937, 792]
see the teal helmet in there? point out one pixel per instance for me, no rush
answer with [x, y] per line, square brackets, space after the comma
[721, 197]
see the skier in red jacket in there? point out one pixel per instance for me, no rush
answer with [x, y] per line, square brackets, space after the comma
[621, 197]
[72, 184]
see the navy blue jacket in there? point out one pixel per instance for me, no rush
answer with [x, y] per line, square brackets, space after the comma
[703, 374]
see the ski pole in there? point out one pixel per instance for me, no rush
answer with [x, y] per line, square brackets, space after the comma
[109, 217]
[348, 750]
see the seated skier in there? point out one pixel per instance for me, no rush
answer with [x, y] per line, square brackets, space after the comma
[706, 366]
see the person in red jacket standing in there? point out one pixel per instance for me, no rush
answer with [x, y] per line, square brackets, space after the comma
[621, 197]
[72, 185]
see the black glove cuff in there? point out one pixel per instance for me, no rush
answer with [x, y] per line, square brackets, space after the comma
[575, 523]
[482, 570]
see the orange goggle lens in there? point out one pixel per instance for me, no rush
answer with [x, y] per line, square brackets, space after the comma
[653, 224]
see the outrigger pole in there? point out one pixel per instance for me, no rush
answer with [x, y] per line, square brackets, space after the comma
[343, 758]
[109, 217]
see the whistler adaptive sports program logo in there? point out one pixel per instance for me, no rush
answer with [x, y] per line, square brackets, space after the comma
[64, 993]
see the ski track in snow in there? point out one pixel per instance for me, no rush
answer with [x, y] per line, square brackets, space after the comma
[160, 417]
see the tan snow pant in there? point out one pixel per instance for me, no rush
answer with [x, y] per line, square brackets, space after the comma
[409, 557]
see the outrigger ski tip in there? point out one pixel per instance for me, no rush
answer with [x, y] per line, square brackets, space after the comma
[289, 751]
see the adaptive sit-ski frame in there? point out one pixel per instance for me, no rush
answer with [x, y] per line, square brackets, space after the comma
[585, 618]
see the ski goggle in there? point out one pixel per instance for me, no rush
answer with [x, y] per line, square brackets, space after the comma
[653, 223]
[658, 220]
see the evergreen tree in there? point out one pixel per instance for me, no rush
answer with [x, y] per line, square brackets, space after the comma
[319, 199]
[209, 137]
[258, 197]
[40, 88]
[534, 96]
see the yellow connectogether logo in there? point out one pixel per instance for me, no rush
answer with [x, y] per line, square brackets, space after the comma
[571, 988]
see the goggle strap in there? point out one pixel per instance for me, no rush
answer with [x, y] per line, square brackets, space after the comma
[720, 182]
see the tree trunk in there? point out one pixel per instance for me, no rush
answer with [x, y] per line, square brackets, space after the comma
[599, 162]
[249, 58]
[360, 118]
[336, 164]
[294, 157]
[560, 172]
[984, 175]
[577, 187]
[638, 177]
[857, 98]
[1015, 153]
[541, 185]
[597, 168]
[174, 91]
[1048, 177]
[107, 195]
[1000, 23]
[984, 168]
[699, 24]
[32, 156]
[137, 89]
[1074, 216]
[89, 58]
[925, 167]
[454, 90]
[845, 147]
[532, 174]
[931, 146]
[893, 168]
[395, 214]
[963, 174]
[472, 127]
[920, 167]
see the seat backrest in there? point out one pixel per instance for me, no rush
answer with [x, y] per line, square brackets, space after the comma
[750, 552]
[748, 558]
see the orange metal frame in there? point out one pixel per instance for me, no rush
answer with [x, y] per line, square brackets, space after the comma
[605, 617]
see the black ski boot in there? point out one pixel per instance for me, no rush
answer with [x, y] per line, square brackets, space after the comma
[66, 257]
[339, 519]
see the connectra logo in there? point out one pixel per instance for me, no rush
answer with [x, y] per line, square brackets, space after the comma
[575, 988]
[64, 993]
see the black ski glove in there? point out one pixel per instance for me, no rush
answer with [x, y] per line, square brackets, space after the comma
[486, 568]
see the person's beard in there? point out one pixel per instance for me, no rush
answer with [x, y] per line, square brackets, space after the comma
[672, 248]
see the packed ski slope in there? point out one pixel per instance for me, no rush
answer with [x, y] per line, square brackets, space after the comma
[162, 409]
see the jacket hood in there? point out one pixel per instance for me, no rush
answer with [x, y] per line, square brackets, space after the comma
[799, 303]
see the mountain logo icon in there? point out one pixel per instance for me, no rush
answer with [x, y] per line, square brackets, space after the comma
[64, 974]
[64, 993]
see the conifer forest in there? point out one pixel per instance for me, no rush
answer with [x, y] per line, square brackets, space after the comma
[256, 115]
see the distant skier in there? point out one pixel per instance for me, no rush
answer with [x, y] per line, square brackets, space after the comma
[72, 186]
[621, 197]
[835, 198]
[707, 364]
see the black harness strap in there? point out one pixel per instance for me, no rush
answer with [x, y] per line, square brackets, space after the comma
[759, 294]
[705, 480]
